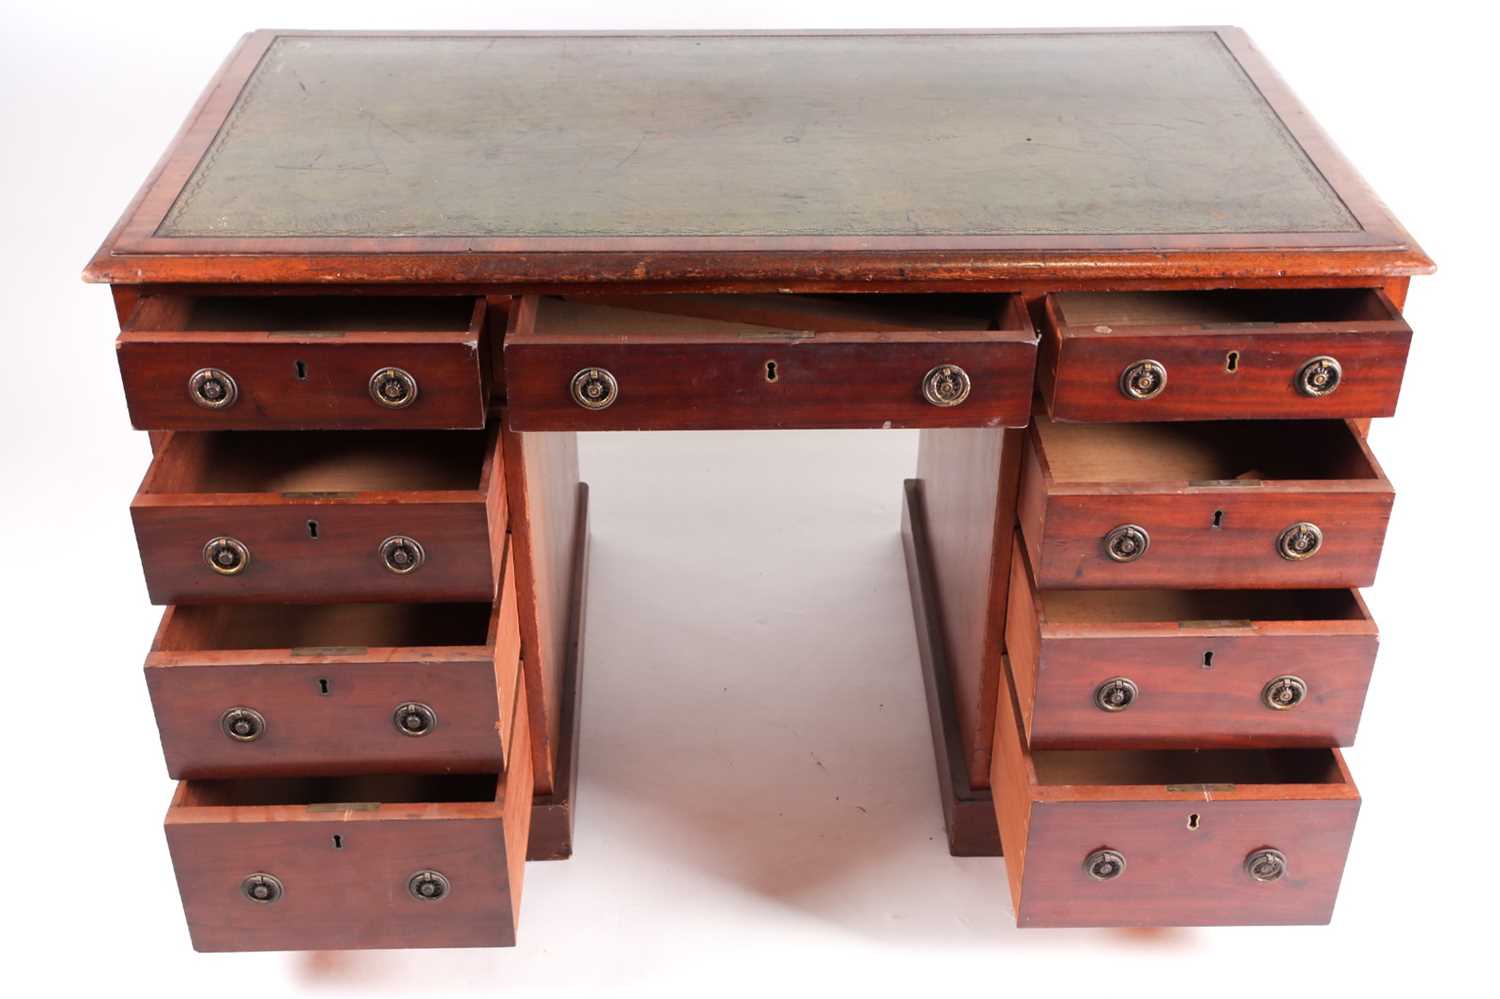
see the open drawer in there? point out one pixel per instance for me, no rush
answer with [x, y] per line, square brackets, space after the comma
[1213, 355]
[323, 516]
[304, 362]
[1241, 504]
[1170, 837]
[1187, 668]
[354, 862]
[282, 690]
[726, 362]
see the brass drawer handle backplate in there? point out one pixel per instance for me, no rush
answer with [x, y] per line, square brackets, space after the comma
[1300, 541]
[1319, 376]
[594, 389]
[226, 556]
[213, 388]
[1104, 864]
[393, 388]
[1127, 542]
[1144, 379]
[402, 555]
[946, 385]
[242, 724]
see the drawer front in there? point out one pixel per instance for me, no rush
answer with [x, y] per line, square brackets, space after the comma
[1121, 680]
[1068, 542]
[703, 377]
[323, 517]
[1225, 370]
[333, 375]
[343, 562]
[343, 872]
[1085, 848]
[336, 709]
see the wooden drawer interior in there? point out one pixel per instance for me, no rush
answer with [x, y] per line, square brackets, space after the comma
[305, 361]
[1223, 308]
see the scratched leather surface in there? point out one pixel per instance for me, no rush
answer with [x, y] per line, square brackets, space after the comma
[799, 135]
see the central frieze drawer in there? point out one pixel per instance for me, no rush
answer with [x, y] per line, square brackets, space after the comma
[323, 517]
[1249, 503]
[726, 362]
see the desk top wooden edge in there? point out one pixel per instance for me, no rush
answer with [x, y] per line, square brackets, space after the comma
[137, 252]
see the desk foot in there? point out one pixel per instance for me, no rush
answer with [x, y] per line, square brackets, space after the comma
[552, 814]
[968, 813]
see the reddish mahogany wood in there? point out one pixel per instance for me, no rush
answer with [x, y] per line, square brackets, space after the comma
[1200, 660]
[345, 848]
[314, 507]
[1228, 355]
[716, 365]
[542, 486]
[301, 362]
[329, 694]
[1185, 823]
[1214, 498]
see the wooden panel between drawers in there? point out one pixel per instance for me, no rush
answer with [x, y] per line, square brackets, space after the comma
[345, 849]
[1185, 823]
[329, 696]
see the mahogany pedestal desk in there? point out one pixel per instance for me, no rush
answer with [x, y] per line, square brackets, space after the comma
[1138, 306]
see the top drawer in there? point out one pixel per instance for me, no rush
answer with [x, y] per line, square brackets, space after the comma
[750, 362]
[1212, 355]
[304, 362]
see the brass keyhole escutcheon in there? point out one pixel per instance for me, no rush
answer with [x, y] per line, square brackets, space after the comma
[1319, 376]
[428, 886]
[213, 388]
[946, 385]
[1127, 542]
[1143, 379]
[242, 724]
[393, 388]
[1104, 864]
[1116, 694]
[594, 389]
[1284, 692]
[226, 556]
[414, 718]
[1266, 864]
[1300, 541]
[402, 555]
[261, 888]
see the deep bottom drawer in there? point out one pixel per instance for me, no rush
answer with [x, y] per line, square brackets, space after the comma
[345, 863]
[1172, 837]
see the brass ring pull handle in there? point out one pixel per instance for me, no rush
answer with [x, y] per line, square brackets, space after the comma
[1127, 542]
[594, 389]
[213, 388]
[393, 388]
[1284, 692]
[1116, 694]
[242, 724]
[1143, 380]
[1319, 376]
[428, 886]
[1104, 864]
[946, 385]
[226, 556]
[414, 718]
[402, 555]
[1300, 541]
[262, 888]
[1266, 864]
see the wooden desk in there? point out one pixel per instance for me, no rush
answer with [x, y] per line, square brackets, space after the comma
[1139, 307]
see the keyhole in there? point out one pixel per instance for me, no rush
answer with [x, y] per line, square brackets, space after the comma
[1232, 361]
[338, 841]
[302, 371]
[312, 529]
[1208, 660]
[323, 686]
[771, 375]
[1218, 518]
[1193, 821]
